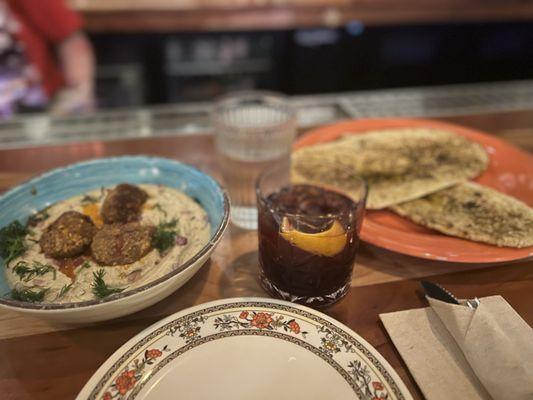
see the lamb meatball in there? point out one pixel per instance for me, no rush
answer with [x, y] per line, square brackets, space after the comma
[67, 236]
[119, 244]
[123, 204]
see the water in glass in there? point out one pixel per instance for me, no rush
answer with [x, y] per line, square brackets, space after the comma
[254, 131]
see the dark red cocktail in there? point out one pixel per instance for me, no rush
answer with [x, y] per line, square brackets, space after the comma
[308, 238]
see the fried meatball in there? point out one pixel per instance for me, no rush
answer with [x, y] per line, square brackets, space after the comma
[123, 204]
[119, 244]
[67, 236]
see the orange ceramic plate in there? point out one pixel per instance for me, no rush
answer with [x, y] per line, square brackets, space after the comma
[510, 171]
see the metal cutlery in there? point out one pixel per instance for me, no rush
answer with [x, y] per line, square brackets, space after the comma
[437, 292]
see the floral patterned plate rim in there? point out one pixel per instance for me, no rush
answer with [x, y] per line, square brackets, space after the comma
[326, 348]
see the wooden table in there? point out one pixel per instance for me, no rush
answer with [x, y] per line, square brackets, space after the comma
[42, 361]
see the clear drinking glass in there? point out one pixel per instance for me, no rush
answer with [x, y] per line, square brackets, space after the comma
[253, 131]
[308, 236]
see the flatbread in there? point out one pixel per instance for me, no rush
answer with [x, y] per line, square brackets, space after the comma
[474, 212]
[398, 164]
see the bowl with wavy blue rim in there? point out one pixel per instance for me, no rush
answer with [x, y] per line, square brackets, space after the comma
[62, 183]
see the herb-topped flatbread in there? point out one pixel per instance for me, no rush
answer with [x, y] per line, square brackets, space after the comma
[398, 164]
[474, 212]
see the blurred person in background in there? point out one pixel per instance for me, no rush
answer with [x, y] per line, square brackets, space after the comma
[46, 62]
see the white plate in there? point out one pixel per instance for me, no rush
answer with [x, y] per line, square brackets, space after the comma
[246, 348]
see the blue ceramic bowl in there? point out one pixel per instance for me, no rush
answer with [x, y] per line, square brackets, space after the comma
[62, 183]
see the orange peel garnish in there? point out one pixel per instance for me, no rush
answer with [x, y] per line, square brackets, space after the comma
[327, 243]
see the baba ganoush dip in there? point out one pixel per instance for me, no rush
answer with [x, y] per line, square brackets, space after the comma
[124, 238]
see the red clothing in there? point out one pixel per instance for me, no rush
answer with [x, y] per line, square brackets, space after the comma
[44, 23]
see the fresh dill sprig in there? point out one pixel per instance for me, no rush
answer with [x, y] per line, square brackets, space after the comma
[29, 295]
[12, 242]
[165, 235]
[85, 265]
[88, 199]
[158, 207]
[27, 272]
[100, 288]
[64, 290]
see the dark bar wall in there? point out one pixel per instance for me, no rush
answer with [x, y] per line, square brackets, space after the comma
[172, 67]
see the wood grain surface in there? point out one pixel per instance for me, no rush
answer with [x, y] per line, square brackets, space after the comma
[215, 15]
[43, 361]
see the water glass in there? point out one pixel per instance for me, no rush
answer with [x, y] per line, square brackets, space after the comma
[253, 131]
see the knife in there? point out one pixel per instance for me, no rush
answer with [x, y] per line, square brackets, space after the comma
[438, 292]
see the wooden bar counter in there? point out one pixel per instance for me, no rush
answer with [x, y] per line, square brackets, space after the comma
[213, 15]
[43, 361]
